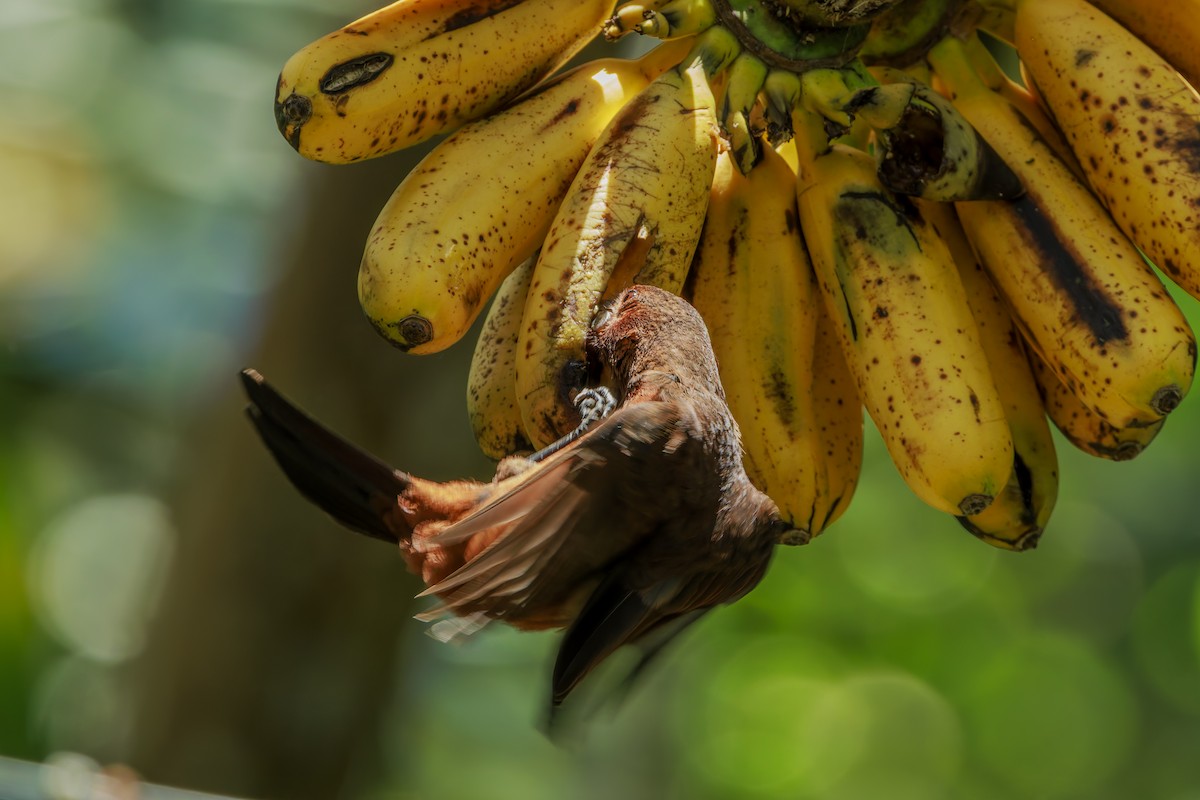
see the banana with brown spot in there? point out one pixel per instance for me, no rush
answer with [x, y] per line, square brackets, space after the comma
[1132, 121]
[752, 282]
[1016, 518]
[417, 68]
[1171, 27]
[1083, 427]
[1022, 99]
[1079, 289]
[482, 201]
[492, 382]
[640, 197]
[901, 314]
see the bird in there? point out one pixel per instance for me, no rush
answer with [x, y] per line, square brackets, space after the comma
[623, 533]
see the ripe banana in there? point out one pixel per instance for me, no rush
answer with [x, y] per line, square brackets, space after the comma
[1016, 518]
[417, 68]
[482, 201]
[901, 313]
[492, 382]
[752, 283]
[1022, 99]
[1083, 427]
[635, 208]
[1080, 291]
[1170, 27]
[838, 411]
[1132, 121]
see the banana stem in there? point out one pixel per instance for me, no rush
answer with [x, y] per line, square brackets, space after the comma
[811, 138]
[832, 92]
[715, 49]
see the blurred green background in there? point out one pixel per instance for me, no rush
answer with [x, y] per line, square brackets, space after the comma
[167, 602]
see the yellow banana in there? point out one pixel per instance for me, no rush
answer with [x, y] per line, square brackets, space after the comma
[1080, 291]
[482, 201]
[491, 383]
[1016, 518]
[1131, 120]
[1083, 427]
[901, 314]
[836, 405]
[1172, 27]
[1022, 99]
[838, 412]
[635, 207]
[752, 283]
[417, 68]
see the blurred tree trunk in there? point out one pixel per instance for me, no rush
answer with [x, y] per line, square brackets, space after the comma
[276, 641]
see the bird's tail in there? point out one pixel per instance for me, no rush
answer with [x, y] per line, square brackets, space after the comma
[348, 484]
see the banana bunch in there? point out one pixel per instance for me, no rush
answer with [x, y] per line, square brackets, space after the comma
[869, 213]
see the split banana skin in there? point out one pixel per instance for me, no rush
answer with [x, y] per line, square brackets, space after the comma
[867, 212]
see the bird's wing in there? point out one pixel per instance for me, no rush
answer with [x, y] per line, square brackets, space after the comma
[353, 487]
[576, 513]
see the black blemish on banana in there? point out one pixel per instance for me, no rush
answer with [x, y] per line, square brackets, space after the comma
[1024, 478]
[475, 13]
[356, 72]
[916, 160]
[1092, 307]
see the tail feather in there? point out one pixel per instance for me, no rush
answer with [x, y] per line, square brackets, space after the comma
[353, 487]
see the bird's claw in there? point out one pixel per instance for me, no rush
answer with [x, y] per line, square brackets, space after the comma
[593, 405]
